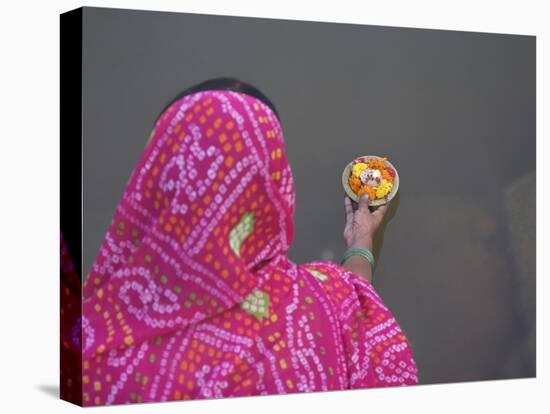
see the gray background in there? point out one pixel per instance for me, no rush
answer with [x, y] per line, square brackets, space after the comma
[454, 111]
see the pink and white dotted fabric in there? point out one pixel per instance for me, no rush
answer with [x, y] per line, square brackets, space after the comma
[192, 295]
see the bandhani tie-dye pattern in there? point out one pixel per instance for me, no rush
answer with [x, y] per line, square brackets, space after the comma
[192, 295]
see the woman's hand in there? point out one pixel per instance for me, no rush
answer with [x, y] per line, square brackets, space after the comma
[362, 224]
[360, 229]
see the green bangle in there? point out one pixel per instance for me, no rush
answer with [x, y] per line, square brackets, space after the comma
[359, 251]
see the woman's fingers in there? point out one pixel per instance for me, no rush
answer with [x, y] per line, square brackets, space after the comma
[349, 210]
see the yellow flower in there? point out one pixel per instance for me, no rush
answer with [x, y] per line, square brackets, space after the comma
[357, 168]
[383, 189]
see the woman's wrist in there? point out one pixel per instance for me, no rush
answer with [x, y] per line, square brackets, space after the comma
[360, 266]
[365, 243]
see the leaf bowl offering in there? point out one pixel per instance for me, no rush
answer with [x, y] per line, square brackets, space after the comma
[371, 174]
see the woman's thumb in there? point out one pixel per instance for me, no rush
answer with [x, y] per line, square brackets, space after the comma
[364, 202]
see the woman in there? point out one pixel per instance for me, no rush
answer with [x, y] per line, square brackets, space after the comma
[192, 294]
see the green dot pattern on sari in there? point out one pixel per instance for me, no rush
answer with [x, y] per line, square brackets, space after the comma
[241, 231]
[319, 275]
[256, 304]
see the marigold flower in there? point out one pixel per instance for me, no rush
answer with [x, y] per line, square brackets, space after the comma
[374, 191]
[376, 163]
[383, 189]
[357, 168]
[387, 176]
[354, 183]
[362, 190]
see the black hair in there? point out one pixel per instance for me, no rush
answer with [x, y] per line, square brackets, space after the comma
[230, 84]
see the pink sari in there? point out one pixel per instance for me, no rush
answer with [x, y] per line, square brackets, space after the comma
[192, 294]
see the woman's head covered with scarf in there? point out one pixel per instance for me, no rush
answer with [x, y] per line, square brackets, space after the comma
[207, 211]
